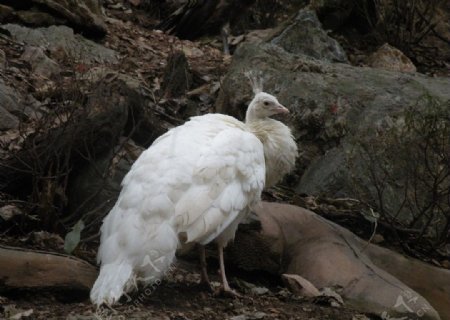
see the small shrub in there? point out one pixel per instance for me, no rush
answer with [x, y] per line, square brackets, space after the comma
[65, 133]
[406, 172]
[402, 23]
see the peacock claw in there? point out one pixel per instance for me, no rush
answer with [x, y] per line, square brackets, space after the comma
[227, 293]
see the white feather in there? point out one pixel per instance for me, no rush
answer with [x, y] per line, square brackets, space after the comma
[199, 179]
[188, 181]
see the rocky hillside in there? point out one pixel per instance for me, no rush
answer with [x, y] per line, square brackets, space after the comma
[86, 86]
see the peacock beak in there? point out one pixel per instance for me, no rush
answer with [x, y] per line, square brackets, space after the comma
[281, 109]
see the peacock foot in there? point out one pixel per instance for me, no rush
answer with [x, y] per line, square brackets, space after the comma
[227, 293]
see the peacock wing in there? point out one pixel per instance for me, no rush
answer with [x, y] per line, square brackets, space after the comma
[228, 177]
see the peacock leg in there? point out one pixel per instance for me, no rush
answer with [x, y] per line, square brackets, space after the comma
[225, 289]
[204, 280]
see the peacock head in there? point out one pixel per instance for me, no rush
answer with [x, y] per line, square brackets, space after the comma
[264, 105]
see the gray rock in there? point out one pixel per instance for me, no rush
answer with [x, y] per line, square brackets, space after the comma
[305, 35]
[239, 317]
[41, 65]
[331, 297]
[9, 211]
[326, 175]
[15, 107]
[259, 290]
[36, 18]
[257, 315]
[10, 107]
[7, 120]
[388, 57]
[9, 98]
[331, 105]
[61, 38]
[84, 16]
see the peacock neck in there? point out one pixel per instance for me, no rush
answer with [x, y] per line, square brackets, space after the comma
[250, 116]
[280, 149]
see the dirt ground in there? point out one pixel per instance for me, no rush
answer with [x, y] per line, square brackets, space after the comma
[179, 297]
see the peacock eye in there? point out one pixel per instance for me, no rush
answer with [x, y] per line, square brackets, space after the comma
[266, 103]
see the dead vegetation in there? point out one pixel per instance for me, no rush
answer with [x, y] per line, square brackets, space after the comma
[72, 127]
[405, 24]
[408, 177]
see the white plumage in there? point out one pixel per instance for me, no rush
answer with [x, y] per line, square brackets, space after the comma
[196, 183]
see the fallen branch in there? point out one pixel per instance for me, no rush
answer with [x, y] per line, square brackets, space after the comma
[25, 269]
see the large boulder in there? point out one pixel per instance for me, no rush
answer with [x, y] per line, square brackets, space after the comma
[305, 35]
[388, 57]
[331, 104]
[294, 240]
[84, 16]
[61, 41]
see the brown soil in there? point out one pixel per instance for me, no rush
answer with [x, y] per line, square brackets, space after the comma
[178, 298]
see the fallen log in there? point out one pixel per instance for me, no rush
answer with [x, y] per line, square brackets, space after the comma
[22, 268]
[296, 241]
